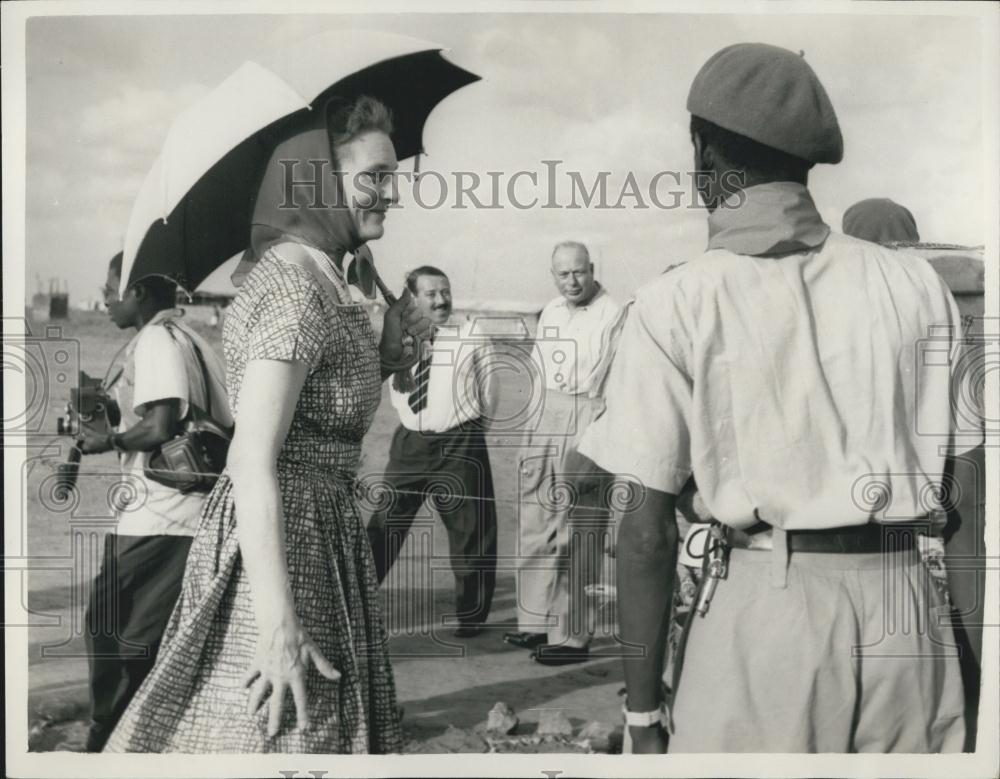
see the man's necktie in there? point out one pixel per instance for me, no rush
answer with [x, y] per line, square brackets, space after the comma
[422, 378]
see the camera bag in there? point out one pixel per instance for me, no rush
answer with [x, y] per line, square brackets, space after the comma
[192, 460]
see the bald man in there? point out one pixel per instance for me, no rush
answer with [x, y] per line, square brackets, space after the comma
[556, 561]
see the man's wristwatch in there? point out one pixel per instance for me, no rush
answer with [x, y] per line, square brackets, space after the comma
[645, 719]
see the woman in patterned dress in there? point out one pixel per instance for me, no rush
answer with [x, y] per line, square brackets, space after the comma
[280, 593]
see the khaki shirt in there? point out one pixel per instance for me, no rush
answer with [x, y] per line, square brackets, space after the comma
[803, 377]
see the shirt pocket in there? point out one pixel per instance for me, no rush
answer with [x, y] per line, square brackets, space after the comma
[532, 471]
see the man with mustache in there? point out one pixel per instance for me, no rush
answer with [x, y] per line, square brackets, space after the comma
[439, 453]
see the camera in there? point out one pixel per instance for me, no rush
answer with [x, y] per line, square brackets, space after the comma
[91, 406]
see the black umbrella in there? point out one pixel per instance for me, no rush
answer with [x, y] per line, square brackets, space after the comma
[194, 208]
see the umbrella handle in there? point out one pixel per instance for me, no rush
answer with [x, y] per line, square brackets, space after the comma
[402, 380]
[386, 292]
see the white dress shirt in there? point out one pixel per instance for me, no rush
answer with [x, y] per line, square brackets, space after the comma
[811, 388]
[462, 387]
[571, 340]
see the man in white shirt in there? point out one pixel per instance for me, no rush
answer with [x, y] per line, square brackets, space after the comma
[556, 562]
[439, 452]
[804, 378]
[140, 578]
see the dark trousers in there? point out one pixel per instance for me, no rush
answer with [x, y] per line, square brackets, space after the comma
[966, 563]
[130, 603]
[451, 469]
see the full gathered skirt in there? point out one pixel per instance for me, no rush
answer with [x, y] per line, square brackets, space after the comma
[194, 701]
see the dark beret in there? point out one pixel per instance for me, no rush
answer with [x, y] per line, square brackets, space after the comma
[770, 95]
[880, 220]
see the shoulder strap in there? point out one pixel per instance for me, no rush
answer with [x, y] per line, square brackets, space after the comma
[109, 381]
[172, 329]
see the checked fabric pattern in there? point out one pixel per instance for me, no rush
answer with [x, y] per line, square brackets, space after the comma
[193, 700]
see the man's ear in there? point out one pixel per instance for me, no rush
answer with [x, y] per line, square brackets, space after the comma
[704, 154]
[138, 290]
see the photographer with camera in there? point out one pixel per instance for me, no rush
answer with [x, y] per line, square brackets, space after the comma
[166, 369]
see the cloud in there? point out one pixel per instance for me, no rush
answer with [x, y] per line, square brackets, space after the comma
[598, 91]
[136, 119]
[545, 66]
[84, 169]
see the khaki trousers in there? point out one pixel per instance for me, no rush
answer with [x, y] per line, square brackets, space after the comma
[560, 533]
[856, 654]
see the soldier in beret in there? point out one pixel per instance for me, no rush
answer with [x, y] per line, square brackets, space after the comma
[780, 369]
[880, 220]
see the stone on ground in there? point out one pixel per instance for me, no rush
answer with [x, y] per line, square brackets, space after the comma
[603, 736]
[501, 719]
[457, 740]
[553, 722]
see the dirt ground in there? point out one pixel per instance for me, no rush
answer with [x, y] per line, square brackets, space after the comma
[445, 685]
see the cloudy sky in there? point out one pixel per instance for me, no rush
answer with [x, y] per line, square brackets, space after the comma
[599, 92]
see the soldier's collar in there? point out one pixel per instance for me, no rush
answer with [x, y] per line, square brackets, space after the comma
[766, 219]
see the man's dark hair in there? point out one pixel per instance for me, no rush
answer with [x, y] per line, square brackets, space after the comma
[747, 153]
[115, 266]
[159, 289]
[423, 270]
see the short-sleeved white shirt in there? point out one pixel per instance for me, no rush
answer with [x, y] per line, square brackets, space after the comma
[571, 340]
[809, 389]
[157, 368]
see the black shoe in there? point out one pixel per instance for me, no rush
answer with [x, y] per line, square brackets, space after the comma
[547, 654]
[526, 640]
[467, 631]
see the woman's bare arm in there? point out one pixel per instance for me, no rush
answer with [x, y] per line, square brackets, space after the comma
[268, 396]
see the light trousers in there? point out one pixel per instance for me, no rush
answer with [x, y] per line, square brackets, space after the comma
[560, 533]
[855, 654]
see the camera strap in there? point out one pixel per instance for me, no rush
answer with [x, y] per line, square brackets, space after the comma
[105, 383]
[205, 379]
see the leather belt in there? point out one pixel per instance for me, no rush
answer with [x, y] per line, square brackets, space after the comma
[857, 539]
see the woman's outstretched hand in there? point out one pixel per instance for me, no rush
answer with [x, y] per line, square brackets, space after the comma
[281, 663]
[404, 327]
